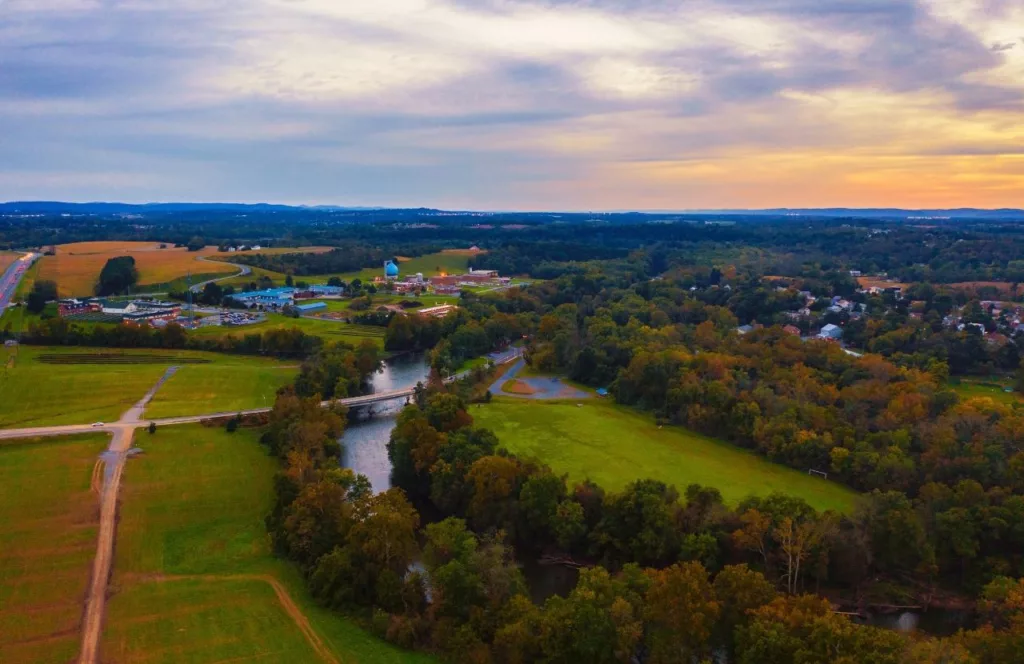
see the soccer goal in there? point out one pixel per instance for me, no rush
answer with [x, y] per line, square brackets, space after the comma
[820, 473]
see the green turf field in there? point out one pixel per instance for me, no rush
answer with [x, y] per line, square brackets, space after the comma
[99, 384]
[48, 527]
[194, 576]
[614, 445]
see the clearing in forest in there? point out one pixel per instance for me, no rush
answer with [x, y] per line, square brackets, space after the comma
[195, 579]
[49, 514]
[614, 445]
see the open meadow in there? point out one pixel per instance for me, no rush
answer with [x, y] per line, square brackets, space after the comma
[194, 578]
[992, 387]
[431, 265]
[328, 330]
[614, 445]
[76, 267]
[49, 517]
[50, 386]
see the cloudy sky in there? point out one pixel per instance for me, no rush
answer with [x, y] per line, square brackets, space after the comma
[515, 104]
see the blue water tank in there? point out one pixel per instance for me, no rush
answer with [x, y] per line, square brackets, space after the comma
[390, 269]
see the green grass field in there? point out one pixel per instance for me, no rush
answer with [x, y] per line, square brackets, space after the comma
[993, 388]
[328, 330]
[220, 387]
[430, 265]
[34, 393]
[614, 445]
[48, 527]
[194, 572]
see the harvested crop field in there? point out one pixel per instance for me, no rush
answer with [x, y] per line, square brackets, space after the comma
[878, 282]
[76, 267]
[7, 258]
[1004, 288]
[49, 515]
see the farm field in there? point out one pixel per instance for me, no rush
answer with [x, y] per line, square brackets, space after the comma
[76, 266]
[614, 445]
[327, 330]
[7, 258]
[48, 528]
[51, 386]
[194, 577]
[222, 386]
[877, 282]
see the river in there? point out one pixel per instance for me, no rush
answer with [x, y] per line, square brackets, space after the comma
[365, 441]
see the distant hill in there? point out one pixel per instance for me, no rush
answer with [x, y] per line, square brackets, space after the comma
[105, 208]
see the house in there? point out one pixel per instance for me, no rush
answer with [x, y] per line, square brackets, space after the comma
[488, 274]
[792, 329]
[602, 392]
[855, 273]
[743, 329]
[831, 332]
[390, 270]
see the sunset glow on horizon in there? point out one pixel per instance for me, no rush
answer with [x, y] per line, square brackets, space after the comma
[515, 104]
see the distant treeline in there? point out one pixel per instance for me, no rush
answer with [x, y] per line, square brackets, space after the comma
[351, 257]
[292, 343]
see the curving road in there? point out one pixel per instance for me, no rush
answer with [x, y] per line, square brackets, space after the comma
[243, 271]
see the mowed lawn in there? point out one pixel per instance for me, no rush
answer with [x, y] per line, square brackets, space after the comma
[614, 445]
[328, 330]
[991, 388]
[91, 387]
[194, 577]
[48, 527]
[234, 383]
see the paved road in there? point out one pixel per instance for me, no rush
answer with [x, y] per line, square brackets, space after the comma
[243, 271]
[12, 277]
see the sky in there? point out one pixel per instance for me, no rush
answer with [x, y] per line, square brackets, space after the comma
[515, 104]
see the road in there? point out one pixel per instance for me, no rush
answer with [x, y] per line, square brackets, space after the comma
[122, 433]
[12, 277]
[243, 271]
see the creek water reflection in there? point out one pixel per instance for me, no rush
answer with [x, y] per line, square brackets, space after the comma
[365, 440]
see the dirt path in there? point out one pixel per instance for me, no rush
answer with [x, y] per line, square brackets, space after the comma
[289, 606]
[95, 603]
[113, 465]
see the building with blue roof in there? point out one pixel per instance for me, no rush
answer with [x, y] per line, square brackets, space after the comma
[390, 270]
[272, 298]
[311, 307]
